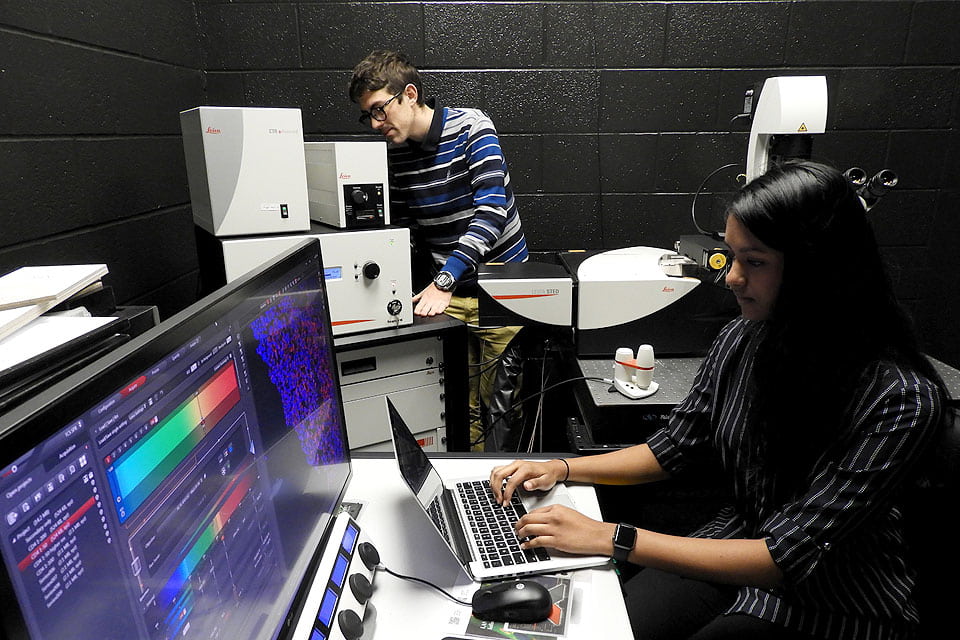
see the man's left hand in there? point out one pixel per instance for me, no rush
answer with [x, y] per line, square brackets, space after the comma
[431, 301]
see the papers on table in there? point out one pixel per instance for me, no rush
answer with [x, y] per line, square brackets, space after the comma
[43, 334]
[29, 292]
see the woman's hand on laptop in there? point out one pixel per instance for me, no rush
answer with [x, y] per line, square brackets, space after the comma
[531, 476]
[565, 529]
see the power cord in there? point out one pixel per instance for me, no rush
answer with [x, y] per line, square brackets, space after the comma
[424, 582]
[537, 425]
[489, 365]
[492, 360]
[716, 235]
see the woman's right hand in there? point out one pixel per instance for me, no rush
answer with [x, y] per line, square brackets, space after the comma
[533, 476]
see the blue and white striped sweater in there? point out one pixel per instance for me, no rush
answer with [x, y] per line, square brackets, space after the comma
[453, 190]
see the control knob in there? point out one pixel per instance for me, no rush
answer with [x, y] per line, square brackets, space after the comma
[350, 624]
[369, 555]
[359, 196]
[371, 270]
[394, 307]
[361, 587]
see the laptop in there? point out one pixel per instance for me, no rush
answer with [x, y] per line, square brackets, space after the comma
[478, 531]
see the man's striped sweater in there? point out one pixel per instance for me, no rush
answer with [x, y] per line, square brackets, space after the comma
[453, 190]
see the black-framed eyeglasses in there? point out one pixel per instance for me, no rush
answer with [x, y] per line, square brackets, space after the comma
[378, 113]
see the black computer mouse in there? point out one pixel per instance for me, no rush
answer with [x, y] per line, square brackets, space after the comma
[513, 601]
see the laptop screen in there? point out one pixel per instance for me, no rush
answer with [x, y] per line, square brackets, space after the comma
[414, 464]
[180, 486]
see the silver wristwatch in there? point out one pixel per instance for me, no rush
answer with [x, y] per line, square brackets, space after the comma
[445, 281]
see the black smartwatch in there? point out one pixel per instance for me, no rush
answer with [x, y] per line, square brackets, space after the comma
[623, 539]
[444, 281]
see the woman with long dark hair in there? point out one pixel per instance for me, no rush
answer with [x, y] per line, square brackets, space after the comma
[814, 406]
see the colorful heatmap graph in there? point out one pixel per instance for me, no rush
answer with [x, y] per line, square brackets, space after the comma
[137, 472]
[202, 540]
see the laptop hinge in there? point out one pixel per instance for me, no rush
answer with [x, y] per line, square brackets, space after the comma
[455, 527]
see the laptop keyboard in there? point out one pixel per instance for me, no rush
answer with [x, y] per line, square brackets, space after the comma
[436, 514]
[493, 526]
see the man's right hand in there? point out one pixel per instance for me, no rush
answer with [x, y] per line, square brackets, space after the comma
[431, 301]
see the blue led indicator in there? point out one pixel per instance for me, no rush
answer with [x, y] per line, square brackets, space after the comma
[327, 607]
[316, 635]
[339, 570]
[349, 538]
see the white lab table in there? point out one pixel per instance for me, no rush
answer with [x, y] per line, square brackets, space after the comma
[408, 544]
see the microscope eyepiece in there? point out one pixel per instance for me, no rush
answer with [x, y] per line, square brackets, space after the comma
[885, 179]
[855, 176]
[876, 187]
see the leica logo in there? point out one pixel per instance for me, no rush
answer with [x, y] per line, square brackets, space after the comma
[212, 130]
[668, 290]
[344, 176]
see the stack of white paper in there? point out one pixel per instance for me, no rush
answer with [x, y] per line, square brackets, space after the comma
[43, 334]
[28, 292]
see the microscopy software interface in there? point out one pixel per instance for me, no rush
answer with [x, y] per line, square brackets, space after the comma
[183, 502]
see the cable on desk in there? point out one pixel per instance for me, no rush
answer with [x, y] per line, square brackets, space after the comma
[424, 582]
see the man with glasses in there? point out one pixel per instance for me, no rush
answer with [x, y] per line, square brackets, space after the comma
[449, 183]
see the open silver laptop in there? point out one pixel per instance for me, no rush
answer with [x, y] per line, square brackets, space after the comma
[477, 530]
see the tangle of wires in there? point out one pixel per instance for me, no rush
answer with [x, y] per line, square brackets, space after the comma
[539, 396]
[484, 366]
[526, 416]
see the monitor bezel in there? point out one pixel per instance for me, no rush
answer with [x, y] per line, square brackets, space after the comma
[36, 419]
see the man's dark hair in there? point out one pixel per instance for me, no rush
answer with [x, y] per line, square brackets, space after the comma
[384, 69]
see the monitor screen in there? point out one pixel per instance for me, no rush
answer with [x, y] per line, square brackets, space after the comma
[181, 486]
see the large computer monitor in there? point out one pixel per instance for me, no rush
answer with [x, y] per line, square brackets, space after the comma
[180, 487]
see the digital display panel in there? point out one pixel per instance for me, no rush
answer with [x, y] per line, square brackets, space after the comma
[327, 607]
[350, 538]
[339, 570]
[180, 487]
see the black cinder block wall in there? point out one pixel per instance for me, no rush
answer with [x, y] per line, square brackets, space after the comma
[611, 113]
[91, 162]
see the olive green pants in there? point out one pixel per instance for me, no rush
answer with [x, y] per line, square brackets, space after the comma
[484, 346]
